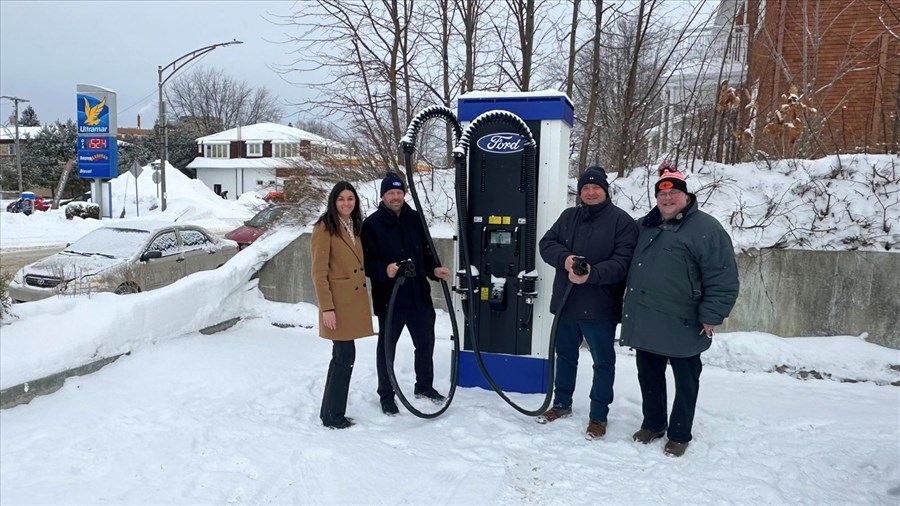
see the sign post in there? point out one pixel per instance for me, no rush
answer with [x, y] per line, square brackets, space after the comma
[136, 171]
[98, 153]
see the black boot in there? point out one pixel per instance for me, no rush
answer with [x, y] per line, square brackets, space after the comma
[337, 386]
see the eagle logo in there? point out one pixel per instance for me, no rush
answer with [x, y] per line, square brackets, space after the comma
[93, 113]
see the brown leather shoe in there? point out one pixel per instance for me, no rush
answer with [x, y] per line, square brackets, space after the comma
[675, 449]
[645, 436]
[554, 413]
[595, 430]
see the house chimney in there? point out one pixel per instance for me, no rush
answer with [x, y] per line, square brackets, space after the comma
[139, 121]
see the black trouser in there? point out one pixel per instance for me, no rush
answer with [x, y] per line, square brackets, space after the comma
[337, 385]
[652, 377]
[421, 328]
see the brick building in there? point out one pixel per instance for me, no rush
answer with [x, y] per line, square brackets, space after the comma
[843, 61]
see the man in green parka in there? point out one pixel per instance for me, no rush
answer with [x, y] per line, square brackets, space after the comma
[682, 283]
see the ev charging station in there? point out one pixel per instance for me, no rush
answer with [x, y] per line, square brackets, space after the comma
[511, 317]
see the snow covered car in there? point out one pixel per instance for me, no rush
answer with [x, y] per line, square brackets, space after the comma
[257, 225]
[20, 205]
[123, 259]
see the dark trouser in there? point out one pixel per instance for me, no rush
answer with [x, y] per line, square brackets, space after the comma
[600, 336]
[337, 385]
[421, 329]
[652, 377]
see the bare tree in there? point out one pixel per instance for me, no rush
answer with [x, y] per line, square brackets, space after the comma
[214, 101]
[573, 32]
[367, 51]
[470, 13]
[593, 86]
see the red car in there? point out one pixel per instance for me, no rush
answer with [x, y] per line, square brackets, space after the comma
[256, 226]
[18, 206]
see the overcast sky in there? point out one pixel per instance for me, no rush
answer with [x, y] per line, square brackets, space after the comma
[47, 48]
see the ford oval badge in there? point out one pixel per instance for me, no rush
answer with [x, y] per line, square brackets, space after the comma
[502, 143]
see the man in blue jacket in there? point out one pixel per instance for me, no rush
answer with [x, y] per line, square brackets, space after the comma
[591, 246]
[683, 282]
[394, 233]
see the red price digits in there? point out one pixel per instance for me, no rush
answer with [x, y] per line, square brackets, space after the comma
[96, 143]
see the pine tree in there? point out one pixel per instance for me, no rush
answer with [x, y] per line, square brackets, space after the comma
[29, 118]
[45, 154]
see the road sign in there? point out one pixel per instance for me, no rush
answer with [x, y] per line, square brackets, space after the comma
[135, 169]
[156, 177]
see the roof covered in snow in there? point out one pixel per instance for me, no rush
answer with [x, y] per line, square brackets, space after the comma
[8, 133]
[267, 132]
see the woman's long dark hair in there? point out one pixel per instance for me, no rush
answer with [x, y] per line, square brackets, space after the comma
[331, 216]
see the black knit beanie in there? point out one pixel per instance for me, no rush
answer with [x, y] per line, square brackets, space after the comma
[594, 175]
[392, 181]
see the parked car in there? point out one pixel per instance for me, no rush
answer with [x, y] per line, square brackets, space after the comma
[84, 197]
[21, 206]
[257, 225]
[123, 259]
[275, 198]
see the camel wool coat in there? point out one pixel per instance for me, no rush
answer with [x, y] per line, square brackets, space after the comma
[337, 273]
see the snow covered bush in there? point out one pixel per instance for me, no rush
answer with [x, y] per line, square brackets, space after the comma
[83, 210]
[5, 300]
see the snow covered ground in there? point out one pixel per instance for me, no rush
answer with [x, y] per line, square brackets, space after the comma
[233, 417]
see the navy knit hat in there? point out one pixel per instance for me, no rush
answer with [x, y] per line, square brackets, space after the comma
[392, 181]
[594, 175]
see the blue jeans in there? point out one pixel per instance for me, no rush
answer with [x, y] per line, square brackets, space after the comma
[600, 337]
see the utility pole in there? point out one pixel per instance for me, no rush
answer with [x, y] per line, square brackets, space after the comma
[16, 101]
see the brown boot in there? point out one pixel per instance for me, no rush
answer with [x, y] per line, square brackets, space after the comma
[646, 435]
[595, 430]
[675, 449]
[554, 413]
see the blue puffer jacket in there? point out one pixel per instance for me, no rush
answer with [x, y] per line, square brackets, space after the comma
[605, 236]
[683, 274]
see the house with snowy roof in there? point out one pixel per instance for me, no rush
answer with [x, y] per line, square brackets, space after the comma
[8, 138]
[255, 157]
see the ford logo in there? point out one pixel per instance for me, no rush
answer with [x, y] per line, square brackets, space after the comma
[502, 143]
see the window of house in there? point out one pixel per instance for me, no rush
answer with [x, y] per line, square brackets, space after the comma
[284, 150]
[254, 148]
[216, 150]
[259, 182]
[11, 149]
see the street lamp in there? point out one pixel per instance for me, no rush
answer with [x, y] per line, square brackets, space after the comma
[16, 101]
[172, 68]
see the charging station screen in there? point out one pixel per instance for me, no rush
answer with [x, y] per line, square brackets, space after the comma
[500, 237]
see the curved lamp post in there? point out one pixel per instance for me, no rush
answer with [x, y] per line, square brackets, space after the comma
[172, 68]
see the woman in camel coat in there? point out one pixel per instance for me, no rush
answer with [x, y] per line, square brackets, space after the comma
[344, 311]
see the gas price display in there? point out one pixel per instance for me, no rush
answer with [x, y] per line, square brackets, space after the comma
[93, 143]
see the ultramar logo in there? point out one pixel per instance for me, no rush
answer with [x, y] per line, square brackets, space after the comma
[93, 115]
[502, 143]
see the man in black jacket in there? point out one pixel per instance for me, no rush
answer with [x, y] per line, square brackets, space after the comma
[394, 233]
[591, 247]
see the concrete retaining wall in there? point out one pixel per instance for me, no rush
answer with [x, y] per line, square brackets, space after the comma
[783, 292]
[820, 293]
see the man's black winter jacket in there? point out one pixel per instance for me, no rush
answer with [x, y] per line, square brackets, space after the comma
[389, 238]
[605, 236]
